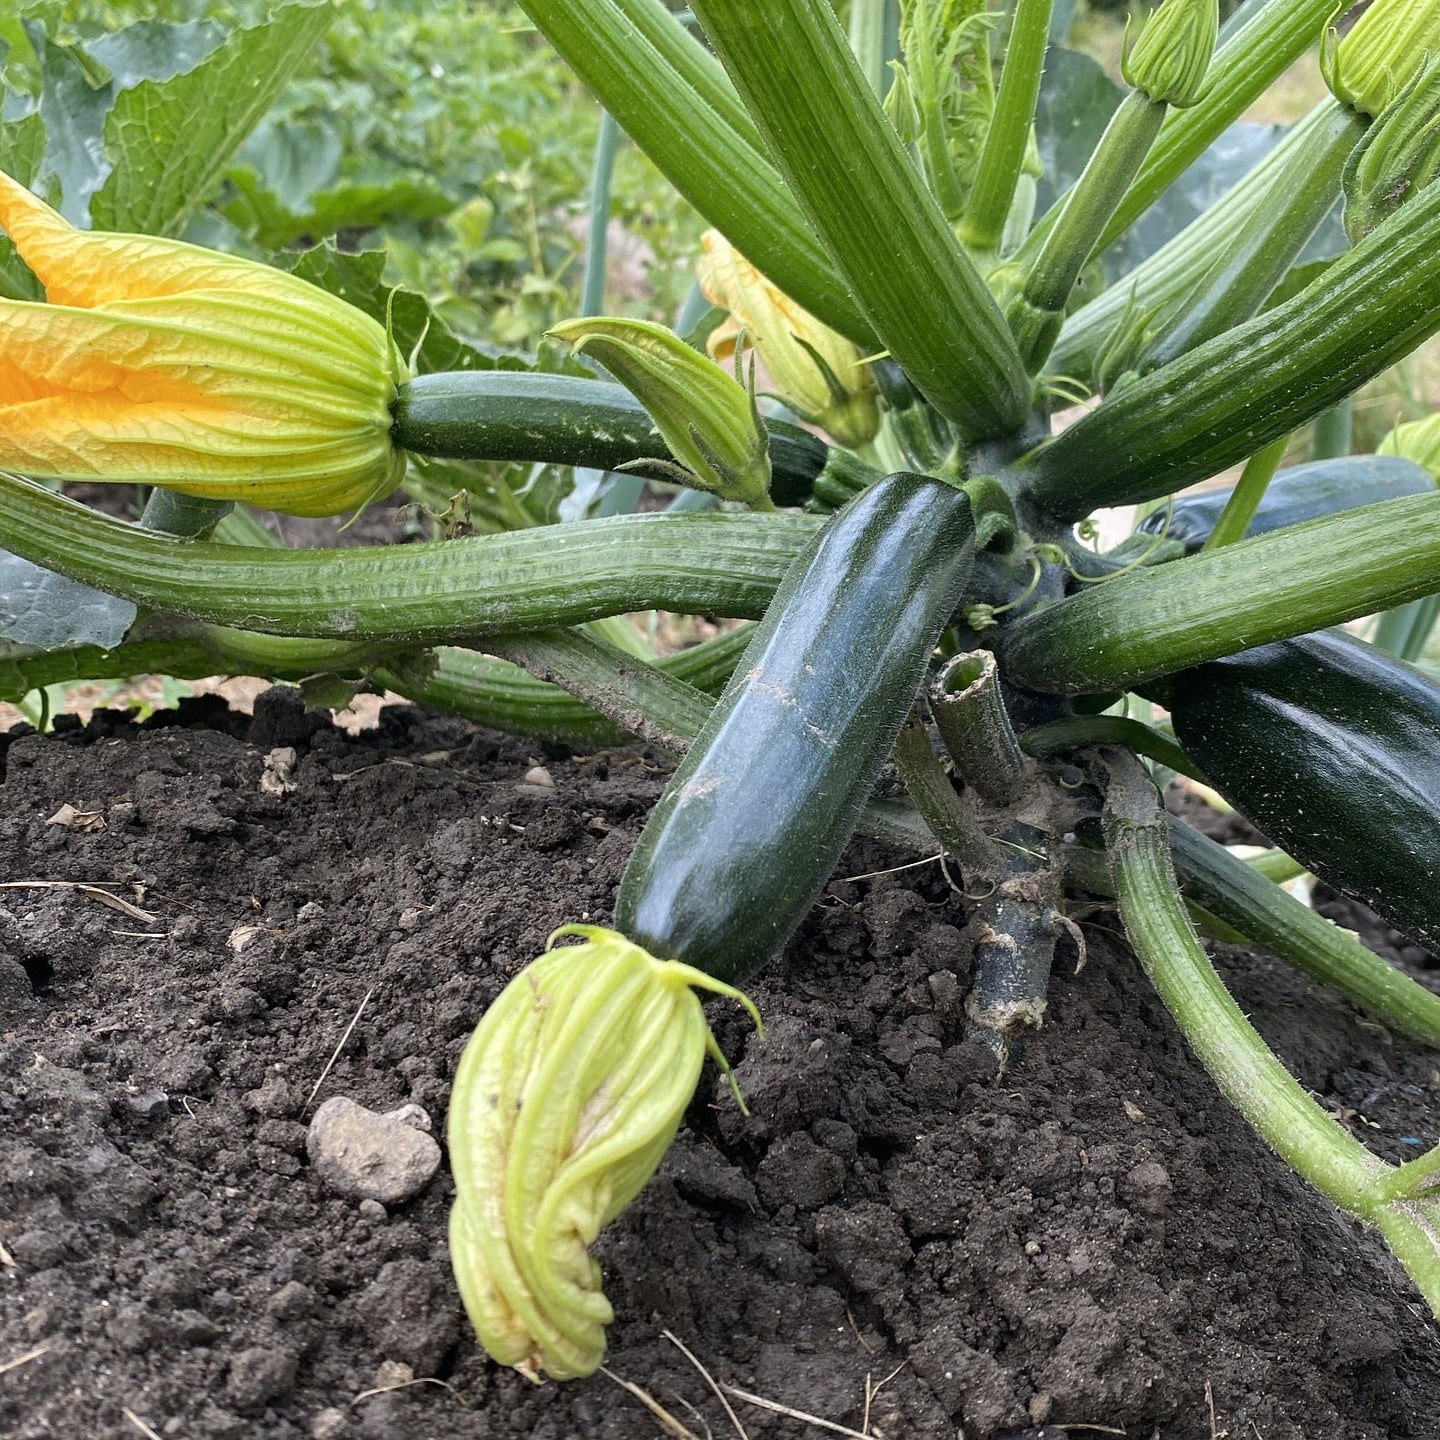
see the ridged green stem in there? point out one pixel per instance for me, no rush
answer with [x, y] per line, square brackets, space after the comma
[947, 815]
[1245, 65]
[1162, 281]
[713, 563]
[1266, 915]
[1334, 434]
[637, 698]
[1238, 392]
[867, 39]
[1062, 254]
[1157, 620]
[1404, 632]
[993, 191]
[870, 206]
[1260, 253]
[597, 246]
[1303, 1134]
[670, 97]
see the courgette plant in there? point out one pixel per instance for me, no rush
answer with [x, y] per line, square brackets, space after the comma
[922, 575]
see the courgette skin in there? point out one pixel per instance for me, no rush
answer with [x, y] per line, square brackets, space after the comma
[752, 822]
[1332, 748]
[565, 420]
[1303, 492]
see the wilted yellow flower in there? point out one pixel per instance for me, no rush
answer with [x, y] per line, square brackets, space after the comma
[164, 363]
[816, 371]
[565, 1099]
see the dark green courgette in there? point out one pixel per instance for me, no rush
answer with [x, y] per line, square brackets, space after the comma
[754, 819]
[568, 420]
[1332, 748]
[1303, 492]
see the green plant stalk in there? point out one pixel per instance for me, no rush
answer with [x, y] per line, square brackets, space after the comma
[993, 191]
[1245, 498]
[1259, 255]
[637, 698]
[953, 823]
[870, 207]
[1163, 280]
[663, 90]
[969, 710]
[1238, 392]
[1066, 247]
[1081, 731]
[1239, 1061]
[1161, 619]
[713, 563]
[597, 246]
[1236, 892]
[1245, 66]
[1334, 432]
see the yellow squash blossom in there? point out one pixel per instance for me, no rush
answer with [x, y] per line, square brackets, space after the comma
[164, 363]
[815, 371]
[565, 1101]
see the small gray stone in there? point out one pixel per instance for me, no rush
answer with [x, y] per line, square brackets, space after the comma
[260, 1374]
[366, 1156]
[329, 1424]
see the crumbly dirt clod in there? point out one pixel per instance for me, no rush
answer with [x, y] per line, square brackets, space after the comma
[1092, 1239]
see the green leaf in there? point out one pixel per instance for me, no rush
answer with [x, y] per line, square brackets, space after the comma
[170, 140]
[73, 108]
[360, 279]
[22, 143]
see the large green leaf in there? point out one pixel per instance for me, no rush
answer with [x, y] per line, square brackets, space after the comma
[169, 141]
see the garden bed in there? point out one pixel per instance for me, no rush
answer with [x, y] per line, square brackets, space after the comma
[1093, 1240]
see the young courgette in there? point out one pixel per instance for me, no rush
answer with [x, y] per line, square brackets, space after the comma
[750, 825]
[570, 420]
[1303, 492]
[1332, 748]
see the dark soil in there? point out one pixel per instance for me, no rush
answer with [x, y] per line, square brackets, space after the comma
[1095, 1240]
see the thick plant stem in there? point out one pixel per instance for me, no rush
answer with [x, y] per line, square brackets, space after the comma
[969, 711]
[1260, 253]
[1161, 619]
[1050, 278]
[952, 821]
[993, 191]
[1268, 916]
[1245, 498]
[592, 287]
[552, 575]
[869, 204]
[1244, 67]
[637, 698]
[1226, 398]
[1334, 433]
[1160, 283]
[672, 99]
[1239, 1061]
[867, 39]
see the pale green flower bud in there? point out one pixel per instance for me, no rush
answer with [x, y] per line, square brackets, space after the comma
[1382, 53]
[706, 417]
[565, 1100]
[1399, 155]
[1170, 60]
[1418, 441]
